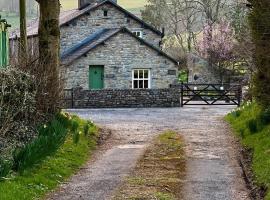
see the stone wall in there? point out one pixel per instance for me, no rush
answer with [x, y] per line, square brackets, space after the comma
[128, 98]
[119, 56]
[85, 25]
[199, 71]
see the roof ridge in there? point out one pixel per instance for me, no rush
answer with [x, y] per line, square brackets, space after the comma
[91, 6]
[90, 46]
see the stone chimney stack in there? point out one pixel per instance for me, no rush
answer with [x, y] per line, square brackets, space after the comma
[83, 3]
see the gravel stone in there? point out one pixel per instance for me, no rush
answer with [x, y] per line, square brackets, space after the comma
[213, 172]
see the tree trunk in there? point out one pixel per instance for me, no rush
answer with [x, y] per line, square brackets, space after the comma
[23, 54]
[49, 50]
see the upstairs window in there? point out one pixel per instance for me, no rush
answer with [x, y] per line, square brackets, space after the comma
[138, 33]
[105, 13]
[141, 79]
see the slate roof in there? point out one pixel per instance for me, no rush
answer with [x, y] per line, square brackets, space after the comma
[98, 38]
[86, 45]
[67, 17]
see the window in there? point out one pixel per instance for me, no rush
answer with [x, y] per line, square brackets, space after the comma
[141, 79]
[105, 13]
[138, 33]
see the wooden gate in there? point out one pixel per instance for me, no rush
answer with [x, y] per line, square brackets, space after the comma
[210, 94]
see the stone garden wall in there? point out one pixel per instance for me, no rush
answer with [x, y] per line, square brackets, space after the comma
[123, 98]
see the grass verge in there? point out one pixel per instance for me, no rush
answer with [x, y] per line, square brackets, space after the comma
[252, 127]
[159, 174]
[46, 175]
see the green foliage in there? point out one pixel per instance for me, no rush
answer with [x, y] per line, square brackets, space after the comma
[86, 129]
[45, 176]
[18, 114]
[50, 138]
[5, 167]
[252, 125]
[254, 120]
[183, 76]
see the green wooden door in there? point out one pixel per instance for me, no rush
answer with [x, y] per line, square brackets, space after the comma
[4, 49]
[96, 77]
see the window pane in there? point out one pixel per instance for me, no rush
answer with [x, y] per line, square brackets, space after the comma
[141, 74]
[146, 84]
[135, 73]
[146, 74]
[140, 83]
[135, 84]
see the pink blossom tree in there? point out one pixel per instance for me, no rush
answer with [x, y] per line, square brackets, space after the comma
[217, 45]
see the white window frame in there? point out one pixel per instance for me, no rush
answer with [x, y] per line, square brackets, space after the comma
[141, 79]
[138, 33]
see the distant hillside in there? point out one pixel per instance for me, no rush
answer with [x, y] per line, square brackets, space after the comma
[131, 5]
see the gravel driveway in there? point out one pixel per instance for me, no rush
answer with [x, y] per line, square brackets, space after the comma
[212, 168]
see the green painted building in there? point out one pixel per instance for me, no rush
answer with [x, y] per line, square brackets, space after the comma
[4, 43]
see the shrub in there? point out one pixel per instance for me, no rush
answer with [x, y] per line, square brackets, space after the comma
[87, 126]
[264, 117]
[252, 125]
[50, 138]
[86, 129]
[74, 131]
[5, 167]
[18, 112]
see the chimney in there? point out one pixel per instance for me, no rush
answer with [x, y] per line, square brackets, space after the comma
[83, 3]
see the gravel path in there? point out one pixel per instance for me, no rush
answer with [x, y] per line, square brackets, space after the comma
[213, 172]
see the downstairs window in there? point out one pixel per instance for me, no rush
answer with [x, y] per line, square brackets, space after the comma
[141, 79]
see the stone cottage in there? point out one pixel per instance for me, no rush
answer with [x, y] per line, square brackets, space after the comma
[113, 56]
[105, 47]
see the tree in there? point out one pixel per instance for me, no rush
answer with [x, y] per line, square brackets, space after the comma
[49, 54]
[178, 17]
[260, 25]
[183, 19]
[23, 50]
[218, 45]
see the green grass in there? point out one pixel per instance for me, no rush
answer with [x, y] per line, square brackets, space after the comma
[35, 182]
[252, 126]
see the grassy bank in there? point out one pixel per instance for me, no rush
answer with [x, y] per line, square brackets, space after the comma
[159, 174]
[252, 126]
[33, 182]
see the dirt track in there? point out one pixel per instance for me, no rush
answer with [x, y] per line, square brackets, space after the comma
[213, 172]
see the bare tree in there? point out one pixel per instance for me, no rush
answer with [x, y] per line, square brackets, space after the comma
[178, 17]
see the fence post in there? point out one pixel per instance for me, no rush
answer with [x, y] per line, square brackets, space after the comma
[182, 94]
